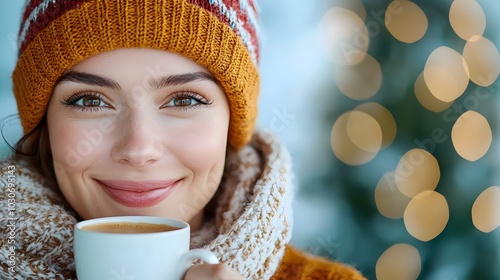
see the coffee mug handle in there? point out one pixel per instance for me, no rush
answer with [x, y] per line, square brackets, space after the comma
[205, 255]
[201, 254]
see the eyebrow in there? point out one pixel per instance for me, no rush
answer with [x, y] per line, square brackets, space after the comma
[88, 79]
[180, 79]
[154, 83]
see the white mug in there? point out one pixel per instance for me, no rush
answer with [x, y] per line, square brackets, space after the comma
[126, 256]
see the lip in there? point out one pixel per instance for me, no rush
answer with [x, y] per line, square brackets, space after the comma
[138, 193]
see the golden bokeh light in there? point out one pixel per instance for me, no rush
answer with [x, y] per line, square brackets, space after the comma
[426, 215]
[425, 97]
[483, 61]
[471, 135]
[384, 118]
[446, 74]
[406, 21]
[360, 81]
[391, 203]
[355, 6]
[364, 131]
[486, 209]
[345, 37]
[399, 262]
[417, 171]
[467, 19]
[355, 137]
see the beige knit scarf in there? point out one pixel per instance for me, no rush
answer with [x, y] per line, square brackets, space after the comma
[250, 228]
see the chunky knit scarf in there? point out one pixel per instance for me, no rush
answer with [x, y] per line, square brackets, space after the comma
[249, 229]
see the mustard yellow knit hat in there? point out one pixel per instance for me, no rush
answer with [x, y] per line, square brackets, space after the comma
[220, 35]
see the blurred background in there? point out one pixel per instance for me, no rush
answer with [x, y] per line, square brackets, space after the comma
[389, 110]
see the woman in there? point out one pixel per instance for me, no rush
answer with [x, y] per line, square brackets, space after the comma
[147, 107]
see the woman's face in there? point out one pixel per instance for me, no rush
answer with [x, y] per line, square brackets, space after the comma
[138, 132]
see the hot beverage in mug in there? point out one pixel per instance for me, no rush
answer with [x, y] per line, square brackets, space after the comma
[128, 227]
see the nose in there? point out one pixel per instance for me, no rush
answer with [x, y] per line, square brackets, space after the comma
[139, 143]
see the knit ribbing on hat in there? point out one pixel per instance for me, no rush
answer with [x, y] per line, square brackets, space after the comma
[241, 16]
[220, 35]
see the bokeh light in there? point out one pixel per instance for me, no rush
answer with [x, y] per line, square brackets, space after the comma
[406, 21]
[399, 262]
[446, 74]
[483, 61]
[384, 118]
[356, 138]
[417, 171]
[360, 81]
[486, 210]
[426, 215]
[467, 19]
[355, 6]
[345, 37]
[471, 135]
[425, 97]
[364, 131]
[391, 203]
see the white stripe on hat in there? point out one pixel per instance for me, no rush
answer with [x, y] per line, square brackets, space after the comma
[32, 17]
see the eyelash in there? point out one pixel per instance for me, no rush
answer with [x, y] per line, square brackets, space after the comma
[198, 98]
[73, 99]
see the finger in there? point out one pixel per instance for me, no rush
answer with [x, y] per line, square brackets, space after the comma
[212, 272]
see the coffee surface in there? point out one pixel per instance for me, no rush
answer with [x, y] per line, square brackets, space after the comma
[128, 227]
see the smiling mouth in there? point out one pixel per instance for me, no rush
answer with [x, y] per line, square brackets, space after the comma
[138, 194]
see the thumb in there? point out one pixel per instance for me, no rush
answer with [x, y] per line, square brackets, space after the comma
[212, 272]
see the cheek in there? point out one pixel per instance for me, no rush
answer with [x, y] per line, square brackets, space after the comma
[202, 141]
[73, 145]
[203, 148]
[202, 151]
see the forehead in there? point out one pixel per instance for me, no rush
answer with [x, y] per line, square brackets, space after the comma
[125, 62]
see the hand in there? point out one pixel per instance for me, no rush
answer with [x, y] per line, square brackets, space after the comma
[212, 272]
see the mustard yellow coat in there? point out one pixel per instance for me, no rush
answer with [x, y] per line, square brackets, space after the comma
[297, 265]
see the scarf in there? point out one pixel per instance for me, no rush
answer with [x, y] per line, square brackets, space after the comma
[249, 228]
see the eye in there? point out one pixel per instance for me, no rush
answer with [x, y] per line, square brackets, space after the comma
[90, 101]
[183, 101]
[186, 99]
[86, 101]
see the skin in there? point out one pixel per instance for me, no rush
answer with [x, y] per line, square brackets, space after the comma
[125, 124]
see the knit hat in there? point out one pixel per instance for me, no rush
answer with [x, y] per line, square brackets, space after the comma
[220, 35]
